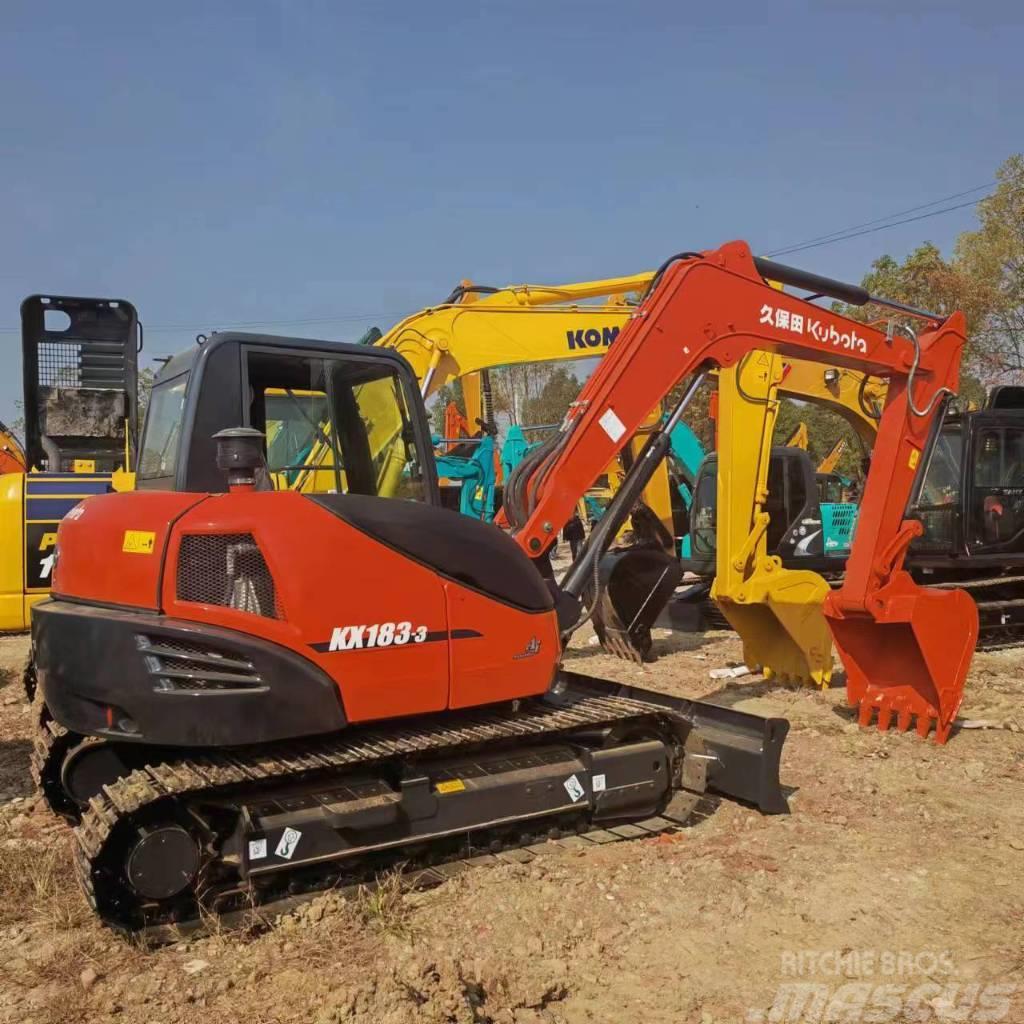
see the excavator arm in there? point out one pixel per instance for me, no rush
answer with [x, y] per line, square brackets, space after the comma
[799, 438]
[831, 460]
[776, 611]
[906, 650]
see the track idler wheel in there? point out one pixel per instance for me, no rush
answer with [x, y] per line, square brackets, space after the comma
[635, 585]
[88, 767]
[163, 862]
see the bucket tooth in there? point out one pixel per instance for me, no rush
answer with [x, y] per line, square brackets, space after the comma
[910, 653]
[864, 712]
[636, 584]
[884, 717]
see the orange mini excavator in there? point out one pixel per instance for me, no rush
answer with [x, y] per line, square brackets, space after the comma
[246, 695]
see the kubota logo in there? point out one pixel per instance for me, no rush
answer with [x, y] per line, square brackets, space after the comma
[591, 337]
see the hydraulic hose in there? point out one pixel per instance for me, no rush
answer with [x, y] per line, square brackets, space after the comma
[625, 498]
[939, 392]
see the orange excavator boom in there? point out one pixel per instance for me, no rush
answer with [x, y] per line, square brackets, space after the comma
[906, 650]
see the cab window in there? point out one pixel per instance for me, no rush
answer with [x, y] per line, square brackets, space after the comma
[335, 425]
[158, 454]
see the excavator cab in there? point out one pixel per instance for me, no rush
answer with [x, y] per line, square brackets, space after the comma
[810, 526]
[80, 376]
[972, 508]
[337, 419]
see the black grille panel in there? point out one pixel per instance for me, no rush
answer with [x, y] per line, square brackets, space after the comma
[177, 665]
[226, 569]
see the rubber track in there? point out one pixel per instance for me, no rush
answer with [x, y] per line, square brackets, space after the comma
[50, 743]
[418, 879]
[212, 771]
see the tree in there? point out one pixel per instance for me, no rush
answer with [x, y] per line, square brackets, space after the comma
[147, 375]
[824, 428]
[993, 258]
[552, 403]
[446, 393]
[984, 278]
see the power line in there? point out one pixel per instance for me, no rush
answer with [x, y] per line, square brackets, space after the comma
[880, 220]
[842, 236]
[871, 231]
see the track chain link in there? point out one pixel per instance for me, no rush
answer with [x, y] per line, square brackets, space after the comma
[109, 823]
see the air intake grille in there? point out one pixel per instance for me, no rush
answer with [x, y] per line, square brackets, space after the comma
[226, 569]
[190, 667]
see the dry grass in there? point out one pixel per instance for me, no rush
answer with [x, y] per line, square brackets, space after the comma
[40, 887]
[384, 905]
[42, 895]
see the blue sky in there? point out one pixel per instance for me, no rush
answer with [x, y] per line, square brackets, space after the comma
[345, 163]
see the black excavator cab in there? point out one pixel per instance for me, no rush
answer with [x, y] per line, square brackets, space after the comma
[971, 496]
[80, 365]
[970, 500]
[804, 530]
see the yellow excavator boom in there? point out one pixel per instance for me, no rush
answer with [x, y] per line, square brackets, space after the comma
[831, 460]
[799, 438]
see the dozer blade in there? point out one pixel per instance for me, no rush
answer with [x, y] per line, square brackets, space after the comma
[635, 585]
[908, 658]
[778, 616]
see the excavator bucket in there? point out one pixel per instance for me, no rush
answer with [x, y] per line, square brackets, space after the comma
[777, 614]
[635, 585]
[775, 611]
[909, 660]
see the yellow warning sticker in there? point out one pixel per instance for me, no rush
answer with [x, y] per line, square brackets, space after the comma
[138, 542]
[915, 457]
[450, 786]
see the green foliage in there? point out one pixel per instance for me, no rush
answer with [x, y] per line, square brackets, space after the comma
[993, 257]
[984, 279]
[446, 393]
[147, 375]
[698, 413]
[824, 428]
[557, 393]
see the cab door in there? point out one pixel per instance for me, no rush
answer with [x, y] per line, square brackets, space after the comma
[994, 512]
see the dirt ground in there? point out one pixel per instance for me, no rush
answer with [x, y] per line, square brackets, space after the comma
[900, 865]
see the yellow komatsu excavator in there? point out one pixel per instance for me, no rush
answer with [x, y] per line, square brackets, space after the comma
[478, 329]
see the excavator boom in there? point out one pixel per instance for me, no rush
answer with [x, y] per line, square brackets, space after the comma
[906, 652]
